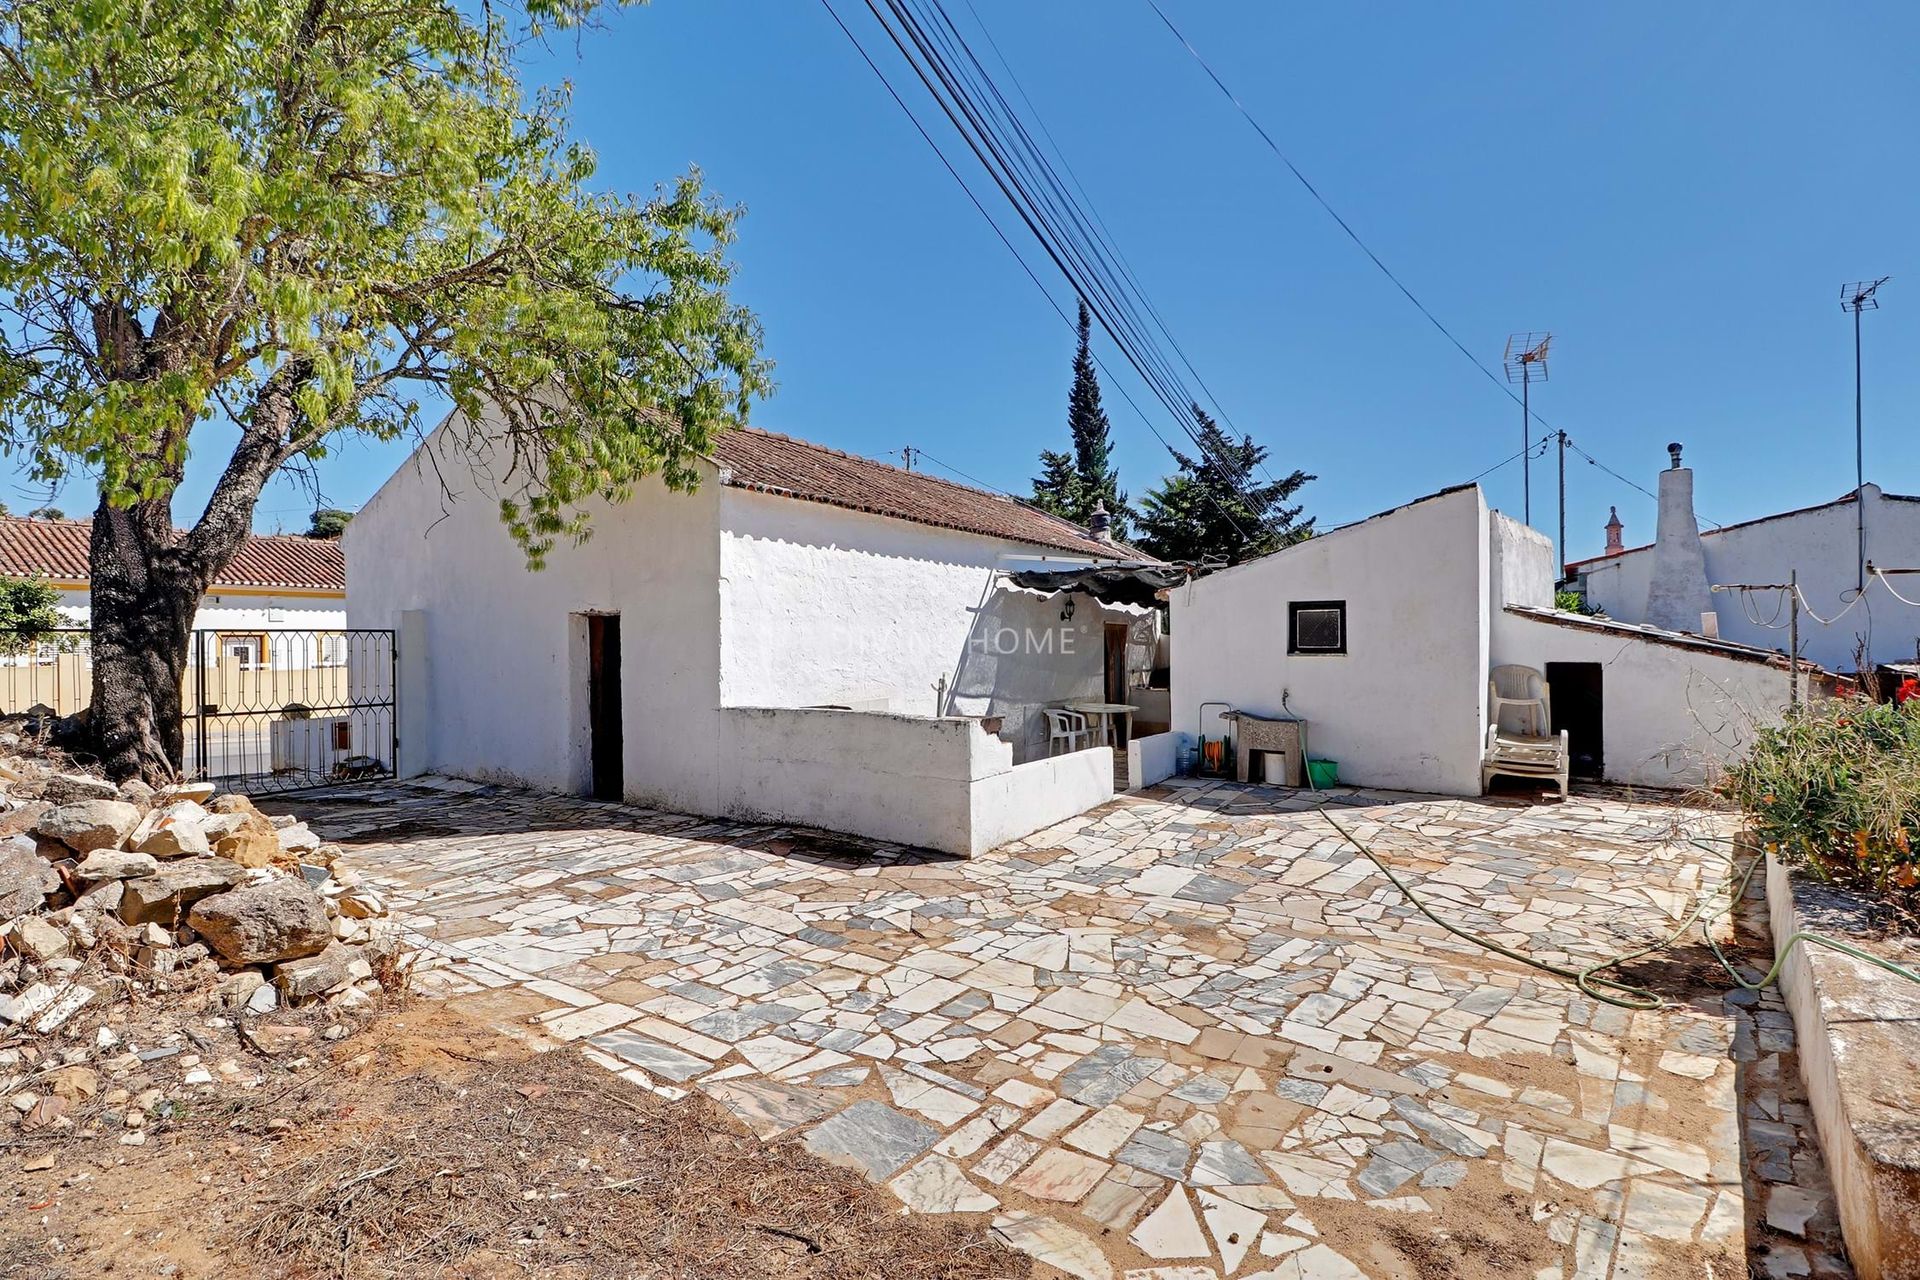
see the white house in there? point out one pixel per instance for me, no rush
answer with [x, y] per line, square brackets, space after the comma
[1826, 545]
[1382, 634]
[808, 636]
[275, 583]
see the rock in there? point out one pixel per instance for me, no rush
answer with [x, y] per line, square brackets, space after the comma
[136, 792]
[175, 833]
[75, 1084]
[252, 842]
[297, 839]
[86, 825]
[362, 904]
[68, 788]
[25, 818]
[232, 802]
[237, 988]
[263, 924]
[166, 896]
[265, 1000]
[277, 1038]
[115, 864]
[25, 879]
[316, 975]
[36, 939]
[197, 792]
[104, 898]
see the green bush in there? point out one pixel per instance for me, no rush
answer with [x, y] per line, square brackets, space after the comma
[1836, 789]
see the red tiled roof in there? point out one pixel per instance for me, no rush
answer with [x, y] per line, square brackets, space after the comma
[781, 465]
[58, 549]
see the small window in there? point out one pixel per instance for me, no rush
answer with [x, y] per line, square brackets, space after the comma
[1317, 626]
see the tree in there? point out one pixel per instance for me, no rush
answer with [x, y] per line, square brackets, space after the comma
[298, 217]
[46, 513]
[27, 613]
[1071, 486]
[1212, 509]
[328, 522]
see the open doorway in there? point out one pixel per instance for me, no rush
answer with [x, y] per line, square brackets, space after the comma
[1115, 636]
[608, 777]
[1579, 709]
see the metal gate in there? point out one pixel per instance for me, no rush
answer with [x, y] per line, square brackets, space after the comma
[277, 710]
[262, 709]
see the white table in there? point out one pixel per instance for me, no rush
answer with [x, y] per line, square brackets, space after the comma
[1104, 712]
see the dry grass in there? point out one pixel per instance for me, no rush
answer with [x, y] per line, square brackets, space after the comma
[549, 1166]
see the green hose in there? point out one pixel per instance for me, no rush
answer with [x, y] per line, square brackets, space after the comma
[1626, 995]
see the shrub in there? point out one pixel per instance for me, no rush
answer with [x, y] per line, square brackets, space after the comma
[1836, 789]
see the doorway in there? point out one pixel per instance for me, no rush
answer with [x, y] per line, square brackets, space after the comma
[603, 706]
[1579, 709]
[1115, 684]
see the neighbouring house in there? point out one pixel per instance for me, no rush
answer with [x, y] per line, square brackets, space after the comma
[1382, 635]
[1668, 581]
[807, 637]
[275, 583]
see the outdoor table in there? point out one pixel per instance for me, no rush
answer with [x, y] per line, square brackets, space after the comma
[1105, 711]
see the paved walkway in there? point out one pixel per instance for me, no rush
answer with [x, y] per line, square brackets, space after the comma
[1188, 1036]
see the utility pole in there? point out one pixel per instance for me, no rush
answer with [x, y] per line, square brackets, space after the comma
[907, 454]
[1563, 501]
[1526, 363]
[1858, 297]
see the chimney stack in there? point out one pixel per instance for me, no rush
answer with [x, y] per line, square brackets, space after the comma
[1677, 594]
[1614, 545]
[1100, 524]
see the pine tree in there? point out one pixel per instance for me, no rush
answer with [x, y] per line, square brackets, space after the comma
[1211, 509]
[1071, 486]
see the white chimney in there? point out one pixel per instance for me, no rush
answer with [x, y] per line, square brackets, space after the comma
[1677, 594]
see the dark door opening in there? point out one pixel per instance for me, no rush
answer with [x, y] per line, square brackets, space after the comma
[603, 705]
[1115, 635]
[1579, 709]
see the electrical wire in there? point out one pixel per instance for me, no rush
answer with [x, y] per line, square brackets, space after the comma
[1853, 596]
[1510, 459]
[1881, 577]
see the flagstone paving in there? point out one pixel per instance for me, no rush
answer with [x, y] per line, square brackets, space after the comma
[1191, 1035]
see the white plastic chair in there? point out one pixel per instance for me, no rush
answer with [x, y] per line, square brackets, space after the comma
[1069, 727]
[1533, 751]
[1524, 689]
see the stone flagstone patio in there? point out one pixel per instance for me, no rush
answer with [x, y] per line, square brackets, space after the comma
[1191, 1035]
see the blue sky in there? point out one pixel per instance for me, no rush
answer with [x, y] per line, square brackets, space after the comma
[1677, 192]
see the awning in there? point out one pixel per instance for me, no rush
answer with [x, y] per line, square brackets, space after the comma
[1137, 585]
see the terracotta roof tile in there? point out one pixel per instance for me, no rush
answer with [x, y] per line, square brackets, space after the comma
[778, 464]
[58, 549]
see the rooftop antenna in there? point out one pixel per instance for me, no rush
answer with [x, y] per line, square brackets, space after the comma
[1526, 363]
[1858, 297]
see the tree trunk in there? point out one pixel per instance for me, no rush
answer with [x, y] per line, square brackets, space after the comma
[144, 597]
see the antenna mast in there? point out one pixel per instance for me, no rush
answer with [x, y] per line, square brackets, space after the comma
[1858, 297]
[1526, 364]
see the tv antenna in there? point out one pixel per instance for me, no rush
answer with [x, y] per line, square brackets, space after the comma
[1857, 297]
[1526, 364]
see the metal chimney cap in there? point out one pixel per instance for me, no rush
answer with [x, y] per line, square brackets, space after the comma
[1673, 451]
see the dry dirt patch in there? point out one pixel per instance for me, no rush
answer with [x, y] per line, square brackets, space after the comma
[429, 1146]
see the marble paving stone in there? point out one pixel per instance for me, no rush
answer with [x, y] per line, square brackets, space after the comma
[936, 1185]
[1156, 1153]
[650, 1055]
[1172, 1230]
[1058, 1174]
[1047, 1240]
[873, 1136]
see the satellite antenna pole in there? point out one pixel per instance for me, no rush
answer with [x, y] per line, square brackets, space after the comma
[1858, 297]
[1526, 363]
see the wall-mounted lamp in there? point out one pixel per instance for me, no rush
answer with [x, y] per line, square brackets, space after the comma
[1066, 610]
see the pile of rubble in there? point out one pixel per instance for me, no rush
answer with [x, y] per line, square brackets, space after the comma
[112, 891]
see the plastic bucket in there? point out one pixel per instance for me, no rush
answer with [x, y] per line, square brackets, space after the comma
[1324, 773]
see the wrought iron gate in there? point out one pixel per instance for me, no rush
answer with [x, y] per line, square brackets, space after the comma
[277, 710]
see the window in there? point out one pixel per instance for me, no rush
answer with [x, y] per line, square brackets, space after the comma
[330, 649]
[249, 651]
[1317, 626]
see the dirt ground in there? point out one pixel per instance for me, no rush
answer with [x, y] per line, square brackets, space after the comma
[427, 1145]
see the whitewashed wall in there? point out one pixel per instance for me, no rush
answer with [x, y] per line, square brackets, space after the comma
[1822, 545]
[1405, 706]
[507, 671]
[1670, 717]
[824, 606]
[233, 611]
[941, 783]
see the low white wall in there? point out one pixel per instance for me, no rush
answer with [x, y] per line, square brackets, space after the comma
[1405, 706]
[1152, 759]
[1670, 717]
[937, 783]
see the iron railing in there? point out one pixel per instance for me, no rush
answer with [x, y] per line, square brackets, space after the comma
[262, 709]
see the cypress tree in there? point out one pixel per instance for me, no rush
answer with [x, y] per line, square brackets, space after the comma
[1070, 485]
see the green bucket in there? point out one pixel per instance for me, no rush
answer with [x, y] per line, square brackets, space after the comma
[1324, 773]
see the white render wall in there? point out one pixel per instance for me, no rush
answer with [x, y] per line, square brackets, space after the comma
[237, 611]
[507, 664]
[1822, 545]
[1670, 717]
[1405, 707]
[824, 606]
